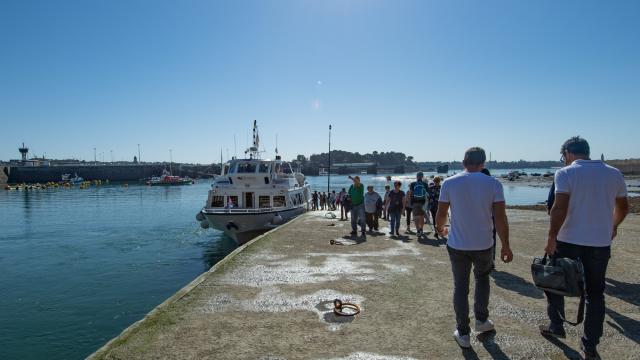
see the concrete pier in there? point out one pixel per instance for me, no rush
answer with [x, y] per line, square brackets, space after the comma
[272, 299]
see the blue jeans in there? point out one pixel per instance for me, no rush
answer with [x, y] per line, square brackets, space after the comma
[357, 217]
[595, 261]
[394, 216]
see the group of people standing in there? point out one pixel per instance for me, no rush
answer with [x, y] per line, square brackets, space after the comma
[322, 201]
[366, 208]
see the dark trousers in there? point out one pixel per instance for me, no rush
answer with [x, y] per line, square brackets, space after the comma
[595, 261]
[461, 262]
[344, 212]
[372, 220]
[433, 211]
[408, 215]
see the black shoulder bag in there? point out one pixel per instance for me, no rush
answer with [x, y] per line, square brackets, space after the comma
[561, 276]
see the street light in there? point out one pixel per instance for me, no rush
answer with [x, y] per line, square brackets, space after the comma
[329, 173]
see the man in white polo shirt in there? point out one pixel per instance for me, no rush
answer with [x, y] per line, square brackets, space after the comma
[473, 198]
[590, 203]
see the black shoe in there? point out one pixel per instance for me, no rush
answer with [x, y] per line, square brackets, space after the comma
[391, 233]
[545, 330]
[364, 235]
[589, 354]
[354, 233]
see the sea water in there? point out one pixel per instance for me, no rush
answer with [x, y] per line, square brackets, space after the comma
[77, 266]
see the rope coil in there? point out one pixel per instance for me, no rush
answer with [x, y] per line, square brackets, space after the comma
[338, 306]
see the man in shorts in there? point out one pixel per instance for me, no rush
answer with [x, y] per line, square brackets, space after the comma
[418, 195]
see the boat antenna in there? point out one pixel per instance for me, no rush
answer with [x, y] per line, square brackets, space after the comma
[220, 161]
[254, 150]
[276, 144]
[235, 147]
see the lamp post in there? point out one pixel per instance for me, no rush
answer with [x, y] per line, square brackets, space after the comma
[329, 171]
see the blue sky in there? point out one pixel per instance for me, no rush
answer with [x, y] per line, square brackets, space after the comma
[428, 78]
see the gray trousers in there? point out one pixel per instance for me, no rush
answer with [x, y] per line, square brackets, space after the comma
[461, 262]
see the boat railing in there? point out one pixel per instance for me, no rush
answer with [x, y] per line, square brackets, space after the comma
[244, 211]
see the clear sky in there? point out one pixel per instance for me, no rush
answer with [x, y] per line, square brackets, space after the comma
[428, 78]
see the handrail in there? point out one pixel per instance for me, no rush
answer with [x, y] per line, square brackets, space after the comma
[246, 211]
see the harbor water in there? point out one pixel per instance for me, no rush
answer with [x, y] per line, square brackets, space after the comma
[77, 266]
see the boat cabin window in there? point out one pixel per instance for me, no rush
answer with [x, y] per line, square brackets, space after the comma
[246, 167]
[263, 168]
[278, 201]
[278, 168]
[225, 170]
[231, 169]
[286, 168]
[232, 201]
[217, 201]
[264, 201]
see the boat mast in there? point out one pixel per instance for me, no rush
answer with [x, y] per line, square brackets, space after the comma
[254, 152]
[170, 162]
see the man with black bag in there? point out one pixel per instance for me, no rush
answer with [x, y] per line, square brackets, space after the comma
[590, 203]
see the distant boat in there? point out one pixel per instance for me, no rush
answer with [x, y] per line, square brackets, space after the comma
[72, 180]
[169, 180]
[442, 169]
[323, 172]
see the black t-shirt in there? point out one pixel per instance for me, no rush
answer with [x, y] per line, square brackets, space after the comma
[395, 200]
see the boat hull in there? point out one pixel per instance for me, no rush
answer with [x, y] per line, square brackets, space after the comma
[242, 227]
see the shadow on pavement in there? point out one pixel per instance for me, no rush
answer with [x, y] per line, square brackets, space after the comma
[432, 242]
[628, 292]
[569, 352]
[625, 325]
[515, 283]
[488, 340]
[469, 354]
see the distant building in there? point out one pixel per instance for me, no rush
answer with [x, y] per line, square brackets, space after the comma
[24, 151]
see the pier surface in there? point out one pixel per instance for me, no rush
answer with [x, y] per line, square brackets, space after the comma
[272, 299]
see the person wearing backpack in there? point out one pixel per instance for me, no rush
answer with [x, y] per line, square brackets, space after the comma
[418, 194]
[590, 203]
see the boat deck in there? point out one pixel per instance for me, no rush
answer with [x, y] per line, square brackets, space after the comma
[272, 299]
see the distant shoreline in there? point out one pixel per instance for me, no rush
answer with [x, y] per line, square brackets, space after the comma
[634, 206]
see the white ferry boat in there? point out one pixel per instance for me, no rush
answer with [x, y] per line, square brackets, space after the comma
[253, 195]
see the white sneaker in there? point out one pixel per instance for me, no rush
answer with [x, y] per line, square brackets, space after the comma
[482, 327]
[463, 340]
